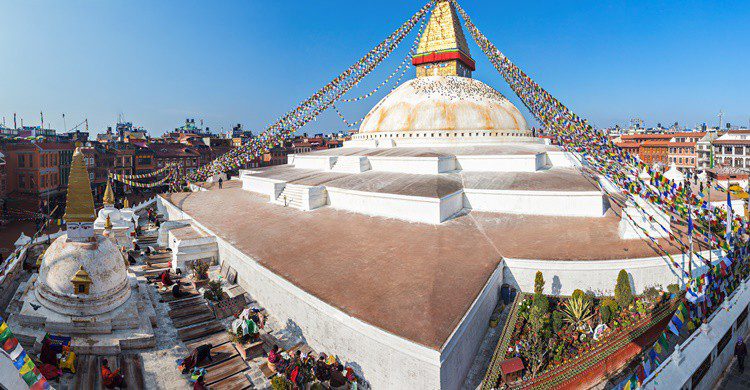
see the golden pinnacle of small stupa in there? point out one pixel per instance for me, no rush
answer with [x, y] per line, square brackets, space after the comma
[79, 203]
[108, 223]
[109, 195]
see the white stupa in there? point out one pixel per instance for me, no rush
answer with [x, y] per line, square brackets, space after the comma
[83, 288]
[674, 174]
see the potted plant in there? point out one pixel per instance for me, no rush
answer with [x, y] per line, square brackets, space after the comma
[200, 272]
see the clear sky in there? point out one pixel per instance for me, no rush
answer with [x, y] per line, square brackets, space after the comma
[159, 62]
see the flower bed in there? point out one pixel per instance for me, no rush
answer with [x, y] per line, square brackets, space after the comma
[560, 338]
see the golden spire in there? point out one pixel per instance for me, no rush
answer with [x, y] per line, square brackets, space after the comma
[108, 223]
[109, 195]
[126, 203]
[79, 205]
[442, 49]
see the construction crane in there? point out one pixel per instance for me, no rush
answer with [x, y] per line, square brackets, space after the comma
[85, 121]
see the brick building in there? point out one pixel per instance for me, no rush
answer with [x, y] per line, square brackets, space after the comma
[652, 152]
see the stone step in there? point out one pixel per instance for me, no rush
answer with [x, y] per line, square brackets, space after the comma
[186, 311]
[224, 369]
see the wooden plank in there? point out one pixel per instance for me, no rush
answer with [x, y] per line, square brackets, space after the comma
[267, 370]
[168, 297]
[199, 330]
[219, 354]
[178, 304]
[214, 339]
[87, 372]
[131, 367]
[225, 369]
[192, 319]
[198, 308]
[250, 349]
[237, 381]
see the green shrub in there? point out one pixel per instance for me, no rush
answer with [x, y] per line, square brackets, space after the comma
[609, 303]
[652, 294]
[280, 383]
[673, 288]
[557, 321]
[538, 312]
[606, 314]
[577, 294]
[539, 283]
[623, 293]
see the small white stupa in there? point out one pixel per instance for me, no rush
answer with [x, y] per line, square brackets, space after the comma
[122, 224]
[674, 175]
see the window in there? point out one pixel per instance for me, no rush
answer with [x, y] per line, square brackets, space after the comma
[91, 176]
[21, 161]
[81, 288]
[701, 371]
[742, 317]
[724, 341]
[44, 181]
[22, 181]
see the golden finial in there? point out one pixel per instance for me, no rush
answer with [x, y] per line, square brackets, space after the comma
[109, 195]
[79, 205]
[108, 223]
[443, 49]
[126, 203]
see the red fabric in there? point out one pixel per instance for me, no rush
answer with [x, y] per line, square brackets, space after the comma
[166, 278]
[49, 371]
[110, 379]
[444, 56]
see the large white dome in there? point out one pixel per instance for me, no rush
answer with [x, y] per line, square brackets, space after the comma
[105, 266]
[444, 103]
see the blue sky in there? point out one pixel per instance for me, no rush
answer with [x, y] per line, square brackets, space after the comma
[158, 62]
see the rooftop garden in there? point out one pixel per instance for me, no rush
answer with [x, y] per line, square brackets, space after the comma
[550, 333]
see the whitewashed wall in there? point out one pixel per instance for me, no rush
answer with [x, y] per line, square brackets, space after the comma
[501, 163]
[579, 203]
[409, 208]
[563, 277]
[459, 351]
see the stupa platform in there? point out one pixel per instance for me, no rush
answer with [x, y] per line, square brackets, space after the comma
[332, 253]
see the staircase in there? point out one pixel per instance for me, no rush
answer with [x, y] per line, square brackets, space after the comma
[350, 164]
[291, 196]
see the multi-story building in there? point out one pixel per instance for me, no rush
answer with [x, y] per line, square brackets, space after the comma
[144, 160]
[174, 153]
[705, 151]
[683, 155]
[38, 170]
[732, 149]
[654, 152]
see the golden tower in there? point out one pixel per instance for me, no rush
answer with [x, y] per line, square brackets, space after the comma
[109, 195]
[79, 205]
[442, 49]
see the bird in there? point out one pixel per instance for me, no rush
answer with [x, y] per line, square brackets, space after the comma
[36, 307]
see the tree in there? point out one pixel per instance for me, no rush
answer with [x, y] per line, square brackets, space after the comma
[535, 352]
[623, 294]
[539, 283]
[557, 321]
[606, 314]
[538, 312]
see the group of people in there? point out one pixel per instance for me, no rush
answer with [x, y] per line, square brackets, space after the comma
[308, 371]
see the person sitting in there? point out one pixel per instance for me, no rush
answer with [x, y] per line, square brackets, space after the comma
[199, 354]
[68, 359]
[176, 292]
[338, 380]
[166, 278]
[47, 355]
[274, 357]
[199, 383]
[136, 247]
[322, 371]
[111, 379]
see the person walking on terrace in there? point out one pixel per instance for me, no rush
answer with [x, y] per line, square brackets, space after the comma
[740, 350]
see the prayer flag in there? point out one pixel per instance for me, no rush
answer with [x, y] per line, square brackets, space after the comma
[10, 344]
[673, 328]
[28, 366]
[20, 361]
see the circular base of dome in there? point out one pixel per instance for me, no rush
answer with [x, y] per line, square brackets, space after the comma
[432, 138]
